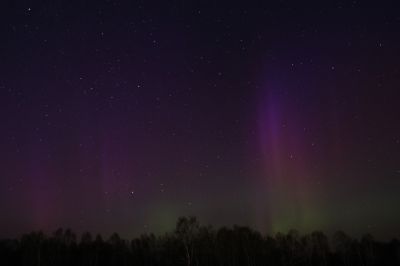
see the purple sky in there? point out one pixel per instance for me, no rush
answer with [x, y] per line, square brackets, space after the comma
[123, 116]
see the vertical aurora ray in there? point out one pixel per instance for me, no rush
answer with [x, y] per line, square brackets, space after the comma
[264, 118]
[287, 166]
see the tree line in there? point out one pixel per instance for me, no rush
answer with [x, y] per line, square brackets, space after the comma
[191, 244]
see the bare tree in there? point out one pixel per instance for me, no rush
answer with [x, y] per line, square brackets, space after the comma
[186, 230]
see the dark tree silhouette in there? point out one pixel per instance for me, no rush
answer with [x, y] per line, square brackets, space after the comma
[195, 245]
[187, 230]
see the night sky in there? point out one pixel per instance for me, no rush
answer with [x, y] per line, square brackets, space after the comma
[122, 116]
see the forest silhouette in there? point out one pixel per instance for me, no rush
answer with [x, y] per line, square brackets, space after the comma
[191, 244]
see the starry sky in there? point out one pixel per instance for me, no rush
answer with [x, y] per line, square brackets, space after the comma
[122, 116]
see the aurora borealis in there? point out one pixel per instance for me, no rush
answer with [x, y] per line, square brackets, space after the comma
[122, 116]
